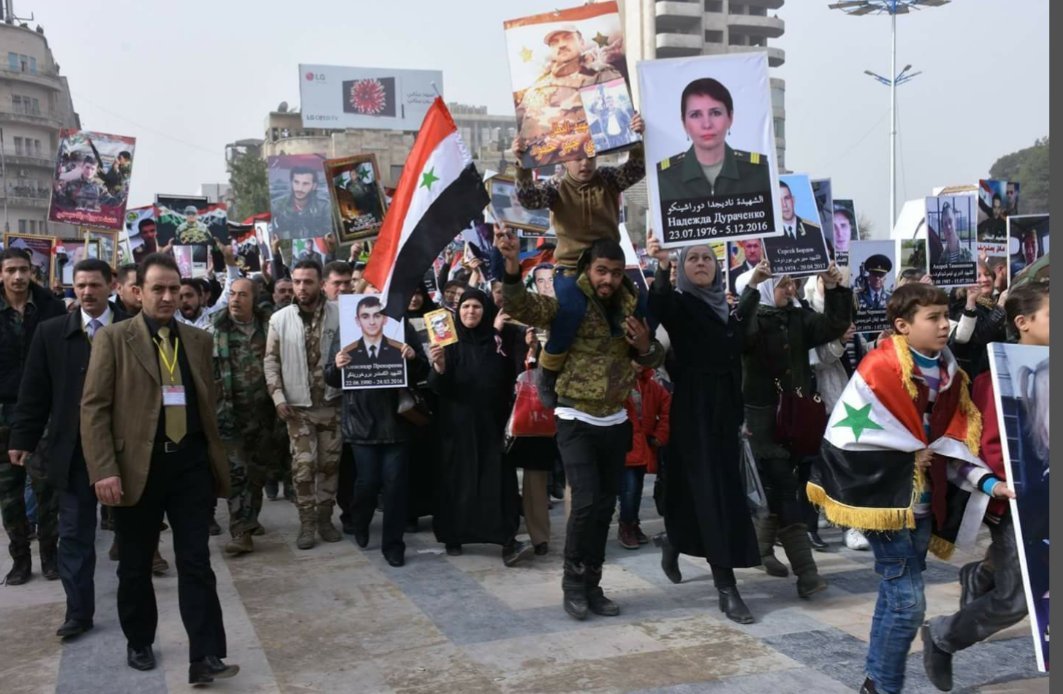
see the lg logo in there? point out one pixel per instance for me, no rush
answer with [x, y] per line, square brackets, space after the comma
[315, 77]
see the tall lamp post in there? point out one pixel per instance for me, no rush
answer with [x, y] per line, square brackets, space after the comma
[893, 8]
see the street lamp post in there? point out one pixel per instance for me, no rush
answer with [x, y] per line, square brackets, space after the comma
[892, 8]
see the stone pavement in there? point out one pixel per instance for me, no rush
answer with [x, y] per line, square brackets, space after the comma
[339, 619]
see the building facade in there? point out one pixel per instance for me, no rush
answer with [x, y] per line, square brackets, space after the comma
[34, 104]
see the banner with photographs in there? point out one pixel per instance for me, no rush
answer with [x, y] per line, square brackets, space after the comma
[141, 231]
[912, 261]
[1027, 241]
[742, 257]
[873, 277]
[801, 249]
[508, 210]
[1021, 386]
[358, 202]
[193, 261]
[76, 251]
[298, 196]
[245, 246]
[91, 183]
[950, 230]
[374, 343]
[845, 227]
[553, 57]
[609, 113]
[710, 114]
[42, 253]
[366, 98]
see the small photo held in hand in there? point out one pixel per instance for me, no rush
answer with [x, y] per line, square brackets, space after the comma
[441, 330]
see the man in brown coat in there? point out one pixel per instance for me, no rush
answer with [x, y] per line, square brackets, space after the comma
[151, 444]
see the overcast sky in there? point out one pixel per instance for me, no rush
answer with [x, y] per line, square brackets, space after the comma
[185, 78]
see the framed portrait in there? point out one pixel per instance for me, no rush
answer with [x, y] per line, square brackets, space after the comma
[509, 211]
[873, 275]
[801, 249]
[108, 245]
[298, 196]
[374, 343]
[358, 201]
[951, 241]
[40, 249]
[90, 184]
[75, 253]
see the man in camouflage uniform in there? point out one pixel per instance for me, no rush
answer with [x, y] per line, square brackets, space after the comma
[245, 411]
[192, 231]
[84, 192]
[301, 214]
[297, 345]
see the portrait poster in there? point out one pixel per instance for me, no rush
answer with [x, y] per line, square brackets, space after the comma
[265, 240]
[911, 255]
[742, 257]
[873, 278]
[75, 253]
[632, 261]
[845, 229]
[1027, 241]
[508, 210]
[801, 249]
[302, 249]
[245, 243]
[992, 217]
[374, 342]
[299, 201]
[440, 326]
[552, 56]
[108, 245]
[725, 121]
[821, 189]
[1021, 385]
[90, 186]
[609, 114]
[951, 242]
[192, 260]
[187, 220]
[125, 249]
[358, 204]
[42, 254]
[141, 231]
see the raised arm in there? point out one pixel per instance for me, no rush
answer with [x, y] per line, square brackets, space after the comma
[521, 305]
[532, 195]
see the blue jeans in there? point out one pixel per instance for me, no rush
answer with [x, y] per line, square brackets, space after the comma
[900, 559]
[631, 479]
[571, 308]
[31, 501]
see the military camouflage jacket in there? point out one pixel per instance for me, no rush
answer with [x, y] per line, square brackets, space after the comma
[245, 410]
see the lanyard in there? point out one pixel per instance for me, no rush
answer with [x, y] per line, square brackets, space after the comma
[171, 366]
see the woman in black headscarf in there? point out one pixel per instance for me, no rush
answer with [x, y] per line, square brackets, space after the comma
[477, 489]
[424, 445]
[706, 514]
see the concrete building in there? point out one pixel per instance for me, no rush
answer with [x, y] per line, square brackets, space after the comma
[34, 104]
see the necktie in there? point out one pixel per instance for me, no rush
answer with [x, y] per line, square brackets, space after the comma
[93, 326]
[790, 232]
[372, 353]
[176, 418]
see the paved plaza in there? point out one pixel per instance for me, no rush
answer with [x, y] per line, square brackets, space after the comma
[338, 619]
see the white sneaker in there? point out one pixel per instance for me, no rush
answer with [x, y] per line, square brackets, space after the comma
[823, 523]
[854, 539]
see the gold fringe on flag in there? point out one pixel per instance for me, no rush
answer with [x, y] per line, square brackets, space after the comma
[904, 359]
[941, 547]
[860, 518]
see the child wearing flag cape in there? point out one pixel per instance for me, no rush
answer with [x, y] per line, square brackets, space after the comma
[584, 206]
[900, 462]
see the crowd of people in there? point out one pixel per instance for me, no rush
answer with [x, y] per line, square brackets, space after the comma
[155, 395]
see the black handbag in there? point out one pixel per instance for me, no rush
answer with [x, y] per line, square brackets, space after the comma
[800, 421]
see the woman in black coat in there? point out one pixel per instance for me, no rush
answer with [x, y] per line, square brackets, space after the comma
[706, 514]
[477, 490]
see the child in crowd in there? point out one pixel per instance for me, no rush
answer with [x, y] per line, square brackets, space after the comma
[647, 410]
[992, 596]
[584, 206]
[903, 430]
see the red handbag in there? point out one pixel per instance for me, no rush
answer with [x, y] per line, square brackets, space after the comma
[800, 422]
[529, 417]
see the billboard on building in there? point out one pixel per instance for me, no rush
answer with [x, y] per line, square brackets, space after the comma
[366, 97]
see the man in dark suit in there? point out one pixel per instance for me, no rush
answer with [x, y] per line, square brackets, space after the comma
[373, 347]
[151, 443]
[51, 389]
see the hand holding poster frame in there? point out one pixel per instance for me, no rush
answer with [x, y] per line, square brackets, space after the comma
[951, 242]
[721, 104]
[372, 342]
[801, 249]
[440, 327]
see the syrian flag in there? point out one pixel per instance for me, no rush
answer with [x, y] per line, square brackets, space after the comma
[439, 194]
[868, 478]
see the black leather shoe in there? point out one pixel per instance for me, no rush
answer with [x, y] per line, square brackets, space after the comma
[732, 605]
[576, 605]
[50, 566]
[542, 548]
[347, 526]
[140, 658]
[817, 542]
[395, 559]
[453, 550]
[669, 558]
[361, 537]
[936, 662]
[73, 627]
[20, 572]
[868, 687]
[209, 669]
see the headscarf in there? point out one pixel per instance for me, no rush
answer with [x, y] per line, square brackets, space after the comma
[485, 330]
[714, 295]
[426, 305]
[767, 294]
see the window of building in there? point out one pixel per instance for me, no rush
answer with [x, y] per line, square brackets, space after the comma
[33, 65]
[713, 36]
[22, 226]
[37, 148]
[714, 5]
[18, 146]
[12, 61]
[33, 226]
[780, 127]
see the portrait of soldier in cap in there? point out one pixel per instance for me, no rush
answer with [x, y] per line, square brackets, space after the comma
[192, 231]
[875, 293]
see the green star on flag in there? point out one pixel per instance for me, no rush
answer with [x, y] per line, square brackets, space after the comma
[859, 420]
[428, 178]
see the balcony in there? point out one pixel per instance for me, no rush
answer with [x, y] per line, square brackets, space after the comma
[766, 4]
[26, 198]
[13, 160]
[755, 25]
[679, 45]
[48, 80]
[42, 119]
[675, 14]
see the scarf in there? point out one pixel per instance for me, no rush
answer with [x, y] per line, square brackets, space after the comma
[714, 295]
[484, 332]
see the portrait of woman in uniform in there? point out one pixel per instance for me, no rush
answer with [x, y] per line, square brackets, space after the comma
[714, 170]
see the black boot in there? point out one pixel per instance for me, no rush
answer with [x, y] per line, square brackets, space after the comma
[20, 572]
[669, 558]
[936, 662]
[49, 563]
[732, 605]
[799, 552]
[572, 585]
[596, 600]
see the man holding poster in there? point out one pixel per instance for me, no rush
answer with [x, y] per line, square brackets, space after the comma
[713, 189]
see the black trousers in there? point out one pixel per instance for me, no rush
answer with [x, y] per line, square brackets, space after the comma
[347, 475]
[181, 486]
[77, 542]
[382, 466]
[594, 458]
